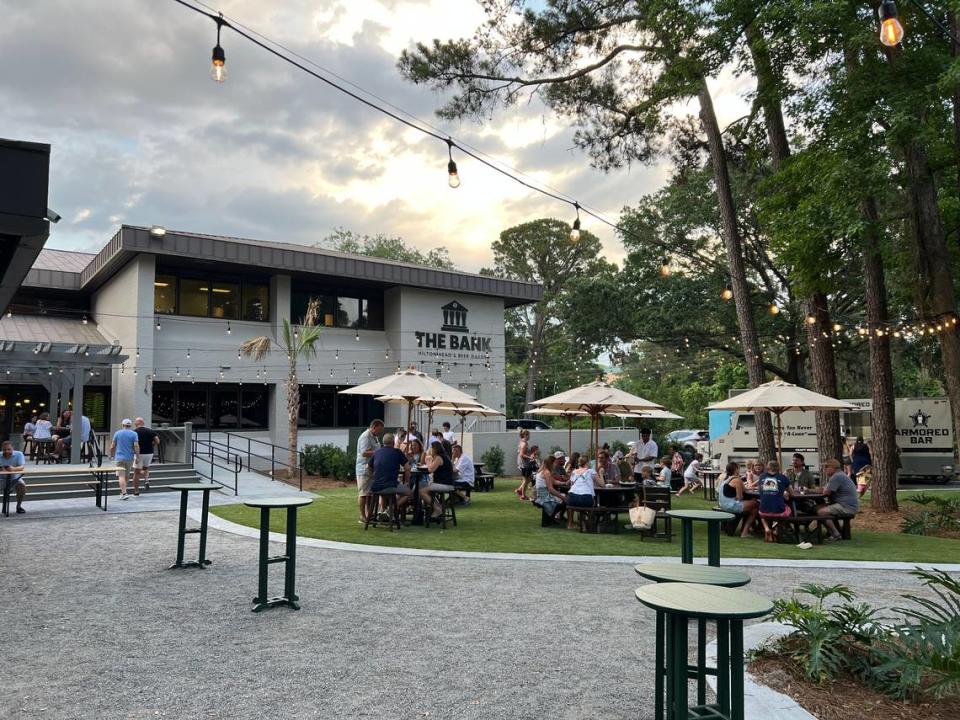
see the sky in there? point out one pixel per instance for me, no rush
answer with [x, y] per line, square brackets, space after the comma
[140, 134]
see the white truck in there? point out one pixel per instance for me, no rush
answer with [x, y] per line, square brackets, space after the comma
[923, 428]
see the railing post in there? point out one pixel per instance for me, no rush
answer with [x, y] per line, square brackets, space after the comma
[273, 467]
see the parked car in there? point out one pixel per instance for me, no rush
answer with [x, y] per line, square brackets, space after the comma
[687, 438]
[527, 424]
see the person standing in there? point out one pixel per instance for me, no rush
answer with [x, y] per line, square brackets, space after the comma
[526, 464]
[125, 452]
[646, 452]
[859, 458]
[367, 444]
[448, 433]
[149, 442]
[14, 464]
[412, 433]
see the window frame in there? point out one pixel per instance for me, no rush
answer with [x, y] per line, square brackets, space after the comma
[242, 285]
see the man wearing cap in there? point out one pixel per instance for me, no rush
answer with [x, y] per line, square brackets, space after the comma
[645, 452]
[559, 471]
[125, 450]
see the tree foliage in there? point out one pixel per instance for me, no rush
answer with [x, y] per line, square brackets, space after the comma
[388, 248]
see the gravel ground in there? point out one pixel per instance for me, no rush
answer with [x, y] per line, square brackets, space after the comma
[96, 626]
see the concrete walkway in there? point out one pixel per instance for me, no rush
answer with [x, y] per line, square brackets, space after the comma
[96, 626]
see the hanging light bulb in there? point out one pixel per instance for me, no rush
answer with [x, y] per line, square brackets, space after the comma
[357, 335]
[354, 367]
[9, 313]
[138, 352]
[229, 329]
[158, 324]
[84, 320]
[773, 308]
[575, 230]
[331, 372]
[368, 372]
[453, 178]
[811, 319]
[188, 353]
[891, 31]
[726, 294]
[664, 267]
[386, 354]
[337, 355]
[836, 327]
[218, 68]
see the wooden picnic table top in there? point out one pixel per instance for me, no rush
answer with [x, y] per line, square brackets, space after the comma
[278, 502]
[61, 469]
[703, 601]
[686, 573]
[703, 515]
[194, 486]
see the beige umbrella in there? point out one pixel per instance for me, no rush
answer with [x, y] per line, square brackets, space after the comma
[568, 414]
[596, 398]
[778, 397]
[411, 387]
[461, 411]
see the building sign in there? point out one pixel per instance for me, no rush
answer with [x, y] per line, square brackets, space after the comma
[455, 340]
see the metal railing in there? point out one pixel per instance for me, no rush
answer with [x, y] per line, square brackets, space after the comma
[209, 452]
[261, 456]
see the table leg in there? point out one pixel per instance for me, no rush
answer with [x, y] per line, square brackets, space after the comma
[701, 662]
[181, 529]
[417, 504]
[659, 670]
[723, 666]
[713, 544]
[6, 497]
[203, 529]
[686, 541]
[261, 598]
[290, 575]
[679, 669]
[106, 490]
[671, 663]
[736, 670]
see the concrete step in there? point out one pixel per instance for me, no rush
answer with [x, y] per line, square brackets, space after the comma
[161, 477]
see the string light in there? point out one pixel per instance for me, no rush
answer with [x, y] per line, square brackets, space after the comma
[453, 178]
[575, 230]
[337, 355]
[229, 329]
[891, 31]
[773, 308]
[188, 353]
[138, 352]
[158, 324]
[356, 336]
[811, 319]
[726, 294]
[664, 268]
[84, 320]
[218, 63]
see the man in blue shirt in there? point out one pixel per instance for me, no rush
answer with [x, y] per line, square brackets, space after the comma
[125, 450]
[14, 462]
[386, 463]
[774, 493]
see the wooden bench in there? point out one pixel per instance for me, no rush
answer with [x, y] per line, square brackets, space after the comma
[483, 482]
[590, 517]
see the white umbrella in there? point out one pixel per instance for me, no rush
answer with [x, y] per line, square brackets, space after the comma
[462, 411]
[778, 397]
[568, 414]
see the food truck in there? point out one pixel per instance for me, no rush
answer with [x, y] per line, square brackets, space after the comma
[923, 429]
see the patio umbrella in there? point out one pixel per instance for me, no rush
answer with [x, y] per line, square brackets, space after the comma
[778, 397]
[595, 399]
[568, 414]
[462, 411]
[411, 387]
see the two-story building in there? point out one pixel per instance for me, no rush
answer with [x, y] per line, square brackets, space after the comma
[163, 314]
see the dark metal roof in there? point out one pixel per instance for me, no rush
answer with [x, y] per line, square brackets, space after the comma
[297, 259]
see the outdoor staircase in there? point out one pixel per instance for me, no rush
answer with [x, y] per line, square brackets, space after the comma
[162, 475]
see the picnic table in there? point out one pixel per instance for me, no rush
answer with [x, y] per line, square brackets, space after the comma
[98, 474]
[676, 604]
[819, 498]
[714, 520]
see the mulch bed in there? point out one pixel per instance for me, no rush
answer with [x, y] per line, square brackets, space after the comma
[844, 698]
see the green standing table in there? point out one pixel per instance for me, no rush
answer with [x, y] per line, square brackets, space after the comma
[185, 490]
[683, 573]
[289, 597]
[676, 603]
[713, 518]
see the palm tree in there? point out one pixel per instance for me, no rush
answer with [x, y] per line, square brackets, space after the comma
[297, 342]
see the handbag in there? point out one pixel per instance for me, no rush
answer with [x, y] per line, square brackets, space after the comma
[642, 518]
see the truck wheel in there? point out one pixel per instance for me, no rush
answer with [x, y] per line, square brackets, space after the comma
[944, 479]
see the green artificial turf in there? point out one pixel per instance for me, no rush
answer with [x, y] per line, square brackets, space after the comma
[499, 522]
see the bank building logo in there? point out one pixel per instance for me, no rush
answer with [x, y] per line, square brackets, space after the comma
[454, 317]
[920, 420]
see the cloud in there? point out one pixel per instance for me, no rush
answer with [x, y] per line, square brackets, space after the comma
[140, 134]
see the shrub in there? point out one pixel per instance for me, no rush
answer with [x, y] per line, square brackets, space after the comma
[492, 460]
[933, 514]
[328, 461]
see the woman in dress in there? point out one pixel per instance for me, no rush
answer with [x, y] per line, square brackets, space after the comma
[551, 500]
[859, 458]
[526, 464]
[730, 492]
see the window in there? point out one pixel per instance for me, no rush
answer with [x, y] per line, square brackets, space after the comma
[746, 422]
[163, 407]
[348, 312]
[223, 409]
[339, 307]
[225, 300]
[211, 297]
[194, 297]
[253, 411]
[256, 302]
[192, 407]
[322, 408]
[348, 411]
[219, 406]
[165, 294]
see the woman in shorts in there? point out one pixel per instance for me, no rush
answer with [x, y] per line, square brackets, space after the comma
[526, 464]
[730, 492]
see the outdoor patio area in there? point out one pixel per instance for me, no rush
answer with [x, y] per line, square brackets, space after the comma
[102, 629]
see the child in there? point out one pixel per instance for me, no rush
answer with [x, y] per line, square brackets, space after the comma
[864, 478]
[691, 481]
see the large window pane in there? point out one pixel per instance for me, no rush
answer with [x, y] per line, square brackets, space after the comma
[96, 405]
[194, 297]
[165, 294]
[348, 312]
[348, 411]
[256, 302]
[321, 407]
[225, 300]
[192, 407]
[328, 310]
[303, 417]
[162, 407]
[374, 312]
[224, 406]
[253, 409]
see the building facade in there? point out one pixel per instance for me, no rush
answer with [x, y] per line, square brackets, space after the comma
[174, 309]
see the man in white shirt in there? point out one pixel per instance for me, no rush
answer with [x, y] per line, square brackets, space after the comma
[463, 464]
[367, 444]
[646, 452]
[448, 433]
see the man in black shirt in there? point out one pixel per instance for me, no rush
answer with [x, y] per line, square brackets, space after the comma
[149, 442]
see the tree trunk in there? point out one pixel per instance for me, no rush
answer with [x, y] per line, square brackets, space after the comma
[293, 413]
[883, 453]
[935, 267]
[738, 274]
[819, 334]
[955, 53]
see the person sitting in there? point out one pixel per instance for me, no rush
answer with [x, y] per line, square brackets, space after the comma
[691, 481]
[666, 471]
[43, 429]
[754, 470]
[646, 476]
[573, 462]
[440, 467]
[548, 497]
[560, 475]
[466, 474]
[606, 469]
[29, 427]
[583, 483]
[14, 463]
[386, 464]
[842, 494]
[799, 476]
[732, 500]
[624, 467]
[774, 493]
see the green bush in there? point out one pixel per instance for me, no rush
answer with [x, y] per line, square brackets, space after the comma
[934, 514]
[492, 460]
[328, 461]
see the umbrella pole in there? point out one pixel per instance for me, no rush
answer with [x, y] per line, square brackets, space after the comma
[780, 441]
[570, 436]
[463, 421]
